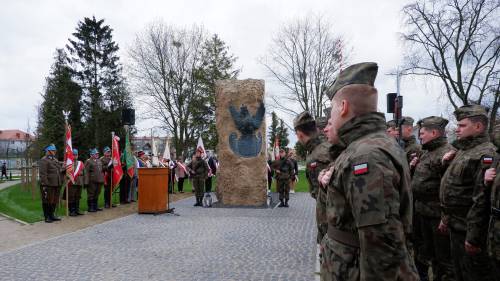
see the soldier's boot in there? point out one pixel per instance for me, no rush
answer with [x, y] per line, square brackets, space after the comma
[282, 204]
[90, 206]
[286, 203]
[52, 212]
[45, 209]
[72, 209]
[96, 205]
[77, 209]
[198, 203]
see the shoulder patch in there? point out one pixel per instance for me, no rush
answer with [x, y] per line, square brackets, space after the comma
[487, 160]
[360, 169]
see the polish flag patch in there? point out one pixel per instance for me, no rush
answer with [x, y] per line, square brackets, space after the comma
[360, 169]
[487, 160]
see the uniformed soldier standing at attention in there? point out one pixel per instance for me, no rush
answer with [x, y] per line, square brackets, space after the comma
[75, 190]
[369, 200]
[317, 159]
[283, 173]
[199, 171]
[107, 166]
[94, 178]
[464, 199]
[412, 148]
[431, 247]
[492, 180]
[51, 173]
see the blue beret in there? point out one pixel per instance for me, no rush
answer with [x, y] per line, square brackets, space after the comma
[50, 147]
[93, 151]
[106, 149]
[75, 151]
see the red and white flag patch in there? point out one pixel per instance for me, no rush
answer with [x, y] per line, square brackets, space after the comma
[487, 160]
[360, 169]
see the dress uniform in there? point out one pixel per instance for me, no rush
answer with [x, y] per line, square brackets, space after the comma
[94, 178]
[107, 165]
[51, 173]
[199, 171]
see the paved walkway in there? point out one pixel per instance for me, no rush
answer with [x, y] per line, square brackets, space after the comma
[200, 244]
[8, 183]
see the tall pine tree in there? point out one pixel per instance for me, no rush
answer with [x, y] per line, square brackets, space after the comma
[283, 134]
[95, 63]
[61, 93]
[273, 129]
[216, 64]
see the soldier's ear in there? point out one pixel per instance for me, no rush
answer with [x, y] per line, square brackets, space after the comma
[344, 108]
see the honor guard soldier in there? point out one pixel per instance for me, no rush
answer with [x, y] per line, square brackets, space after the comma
[199, 171]
[464, 200]
[369, 201]
[317, 159]
[492, 180]
[51, 173]
[94, 178]
[431, 247]
[283, 173]
[107, 165]
[75, 189]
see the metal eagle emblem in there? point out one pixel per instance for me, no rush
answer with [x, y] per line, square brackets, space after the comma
[249, 144]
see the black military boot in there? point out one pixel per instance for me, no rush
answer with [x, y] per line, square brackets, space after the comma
[282, 204]
[90, 206]
[52, 212]
[77, 209]
[286, 203]
[45, 209]
[96, 205]
[72, 210]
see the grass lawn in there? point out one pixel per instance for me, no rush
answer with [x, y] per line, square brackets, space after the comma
[17, 202]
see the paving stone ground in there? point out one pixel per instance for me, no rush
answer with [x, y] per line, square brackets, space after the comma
[200, 244]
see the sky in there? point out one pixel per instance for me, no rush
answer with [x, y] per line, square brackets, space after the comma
[32, 30]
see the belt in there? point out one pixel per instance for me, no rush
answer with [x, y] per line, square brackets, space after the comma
[343, 237]
[495, 212]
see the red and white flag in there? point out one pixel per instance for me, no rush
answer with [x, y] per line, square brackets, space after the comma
[201, 147]
[117, 172]
[276, 149]
[69, 158]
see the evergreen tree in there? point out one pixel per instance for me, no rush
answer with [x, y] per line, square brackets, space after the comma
[273, 129]
[216, 64]
[95, 63]
[300, 151]
[61, 93]
[283, 134]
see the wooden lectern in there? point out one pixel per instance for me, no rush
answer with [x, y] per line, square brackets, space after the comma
[153, 190]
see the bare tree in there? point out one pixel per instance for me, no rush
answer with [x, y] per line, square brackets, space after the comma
[304, 57]
[163, 65]
[457, 41]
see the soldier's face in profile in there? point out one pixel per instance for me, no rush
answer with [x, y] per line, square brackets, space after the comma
[330, 132]
[426, 135]
[466, 128]
[393, 132]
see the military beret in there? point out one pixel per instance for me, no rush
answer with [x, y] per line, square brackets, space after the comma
[406, 120]
[496, 136]
[391, 124]
[50, 147]
[302, 119]
[472, 110]
[106, 149]
[93, 151]
[433, 121]
[361, 73]
[75, 151]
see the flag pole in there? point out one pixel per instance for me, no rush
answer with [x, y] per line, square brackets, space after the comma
[66, 114]
[112, 170]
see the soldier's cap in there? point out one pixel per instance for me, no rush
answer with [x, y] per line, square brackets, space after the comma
[496, 136]
[361, 73]
[75, 151]
[433, 121]
[471, 110]
[304, 118]
[106, 149]
[50, 147]
[391, 124]
[406, 120]
[321, 122]
[93, 151]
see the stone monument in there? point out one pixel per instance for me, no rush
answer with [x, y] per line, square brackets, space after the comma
[241, 128]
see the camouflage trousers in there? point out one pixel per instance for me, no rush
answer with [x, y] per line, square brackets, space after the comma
[283, 189]
[494, 240]
[339, 262]
[467, 267]
[199, 187]
[50, 194]
[431, 247]
[321, 221]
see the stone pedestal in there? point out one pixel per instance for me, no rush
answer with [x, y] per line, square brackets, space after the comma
[241, 128]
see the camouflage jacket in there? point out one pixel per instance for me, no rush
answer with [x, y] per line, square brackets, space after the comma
[93, 171]
[494, 230]
[464, 199]
[412, 147]
[199, 168]
[284, 169]
[427, 177]
[317, 159]
[369, 197]
[51, 172]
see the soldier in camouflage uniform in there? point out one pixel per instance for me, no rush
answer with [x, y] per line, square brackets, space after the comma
[321, 123]
[283, 168]
[199, 171]
[492, 180]
[392, 129]
[317, 159]
[464, 199]
[93, 179]
[412, 148]
[431, 247]
[369, 201]
[51, 173]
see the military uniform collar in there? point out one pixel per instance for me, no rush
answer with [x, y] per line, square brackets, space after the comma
[471, 142]
[360, 126]
[434, 144]
[312, 143]
[335, 150]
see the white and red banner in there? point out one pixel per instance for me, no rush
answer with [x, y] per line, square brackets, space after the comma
[117, 172]
[69, 158]
[78, 169]
[276, 149]
[201, 147]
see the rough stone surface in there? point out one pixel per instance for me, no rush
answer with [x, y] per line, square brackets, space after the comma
[240, 181]
[200, 244]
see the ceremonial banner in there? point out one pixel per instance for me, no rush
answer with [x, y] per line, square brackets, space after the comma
[117, 165]
[128, 158]
[69, 158]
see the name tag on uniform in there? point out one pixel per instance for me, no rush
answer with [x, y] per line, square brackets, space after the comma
[360, 169]
[487, 160]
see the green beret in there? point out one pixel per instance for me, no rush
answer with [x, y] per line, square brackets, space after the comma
[321, 122]
[361, 73]
[304, 118]
[406, 120]
[391, 124]
[433, 121]
[472, 110]
[496, 135]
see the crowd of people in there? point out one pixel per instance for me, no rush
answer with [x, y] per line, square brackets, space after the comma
[389, 208]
